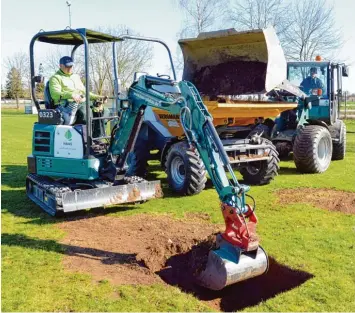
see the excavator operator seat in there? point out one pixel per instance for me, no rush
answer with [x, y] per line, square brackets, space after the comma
[48, 101]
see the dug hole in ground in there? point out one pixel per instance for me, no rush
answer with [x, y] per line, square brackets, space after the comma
[147, 249]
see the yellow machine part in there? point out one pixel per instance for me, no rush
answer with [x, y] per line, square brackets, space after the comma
[231, 113]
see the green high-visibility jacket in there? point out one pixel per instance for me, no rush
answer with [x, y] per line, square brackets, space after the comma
[63, 86]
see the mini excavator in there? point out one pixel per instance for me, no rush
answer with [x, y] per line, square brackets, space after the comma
[70, 170]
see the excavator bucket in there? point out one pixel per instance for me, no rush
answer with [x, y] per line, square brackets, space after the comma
[227, 265]
[228, 62]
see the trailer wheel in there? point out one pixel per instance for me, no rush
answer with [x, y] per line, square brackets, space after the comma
[312, 150]
[185, 169]
[262, 172]
[339, 148]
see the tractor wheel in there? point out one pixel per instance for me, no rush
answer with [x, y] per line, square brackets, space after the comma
[185, 169]
[339, 148]
[312, 150]
[138, 160]
[262, 172]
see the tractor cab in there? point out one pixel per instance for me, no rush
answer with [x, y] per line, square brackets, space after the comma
[321, 79]
[315, 122]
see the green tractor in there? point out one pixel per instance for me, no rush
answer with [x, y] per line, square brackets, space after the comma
[312, 131]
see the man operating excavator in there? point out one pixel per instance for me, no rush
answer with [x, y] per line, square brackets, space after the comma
[67, 91]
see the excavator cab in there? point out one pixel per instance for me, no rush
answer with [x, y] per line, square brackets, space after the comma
[67, 163]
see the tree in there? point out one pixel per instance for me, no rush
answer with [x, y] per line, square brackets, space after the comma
[199, 16]
[40, 90]
[312, 32]
[21, 62]
[256, 14]
[132, 56]
[305, 28]
[51, 63]
[3, 91]
[14, 85]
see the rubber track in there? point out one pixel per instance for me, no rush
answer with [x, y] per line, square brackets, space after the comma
[268, 172]
[196, 174]
[339, 148]
[134, 179]
[53, 187]
[305, 150]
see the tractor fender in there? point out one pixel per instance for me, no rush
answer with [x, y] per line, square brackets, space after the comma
[317, 122]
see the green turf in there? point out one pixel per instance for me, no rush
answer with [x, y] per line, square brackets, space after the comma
[298, 236]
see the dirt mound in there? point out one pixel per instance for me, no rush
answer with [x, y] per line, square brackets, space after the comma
[145, 249]
[330, 199]
[224, 78]
[129, 250]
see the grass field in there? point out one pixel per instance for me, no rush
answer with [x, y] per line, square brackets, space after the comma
[300, 236]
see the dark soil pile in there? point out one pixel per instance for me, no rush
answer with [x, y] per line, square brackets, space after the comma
[229, 78]
[329, 199]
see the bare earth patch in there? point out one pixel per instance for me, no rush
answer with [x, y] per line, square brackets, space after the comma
[146, 249]
[330, 199]
[128, 250]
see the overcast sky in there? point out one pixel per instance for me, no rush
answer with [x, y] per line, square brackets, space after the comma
[21, 19]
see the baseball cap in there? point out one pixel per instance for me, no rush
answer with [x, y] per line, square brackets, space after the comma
[66, 61]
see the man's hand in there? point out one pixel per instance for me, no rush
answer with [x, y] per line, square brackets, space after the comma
[78, 98]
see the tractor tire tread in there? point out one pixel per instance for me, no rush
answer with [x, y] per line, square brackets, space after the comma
[305, 149]
[339, 148]
[269, 169]
[195, 172]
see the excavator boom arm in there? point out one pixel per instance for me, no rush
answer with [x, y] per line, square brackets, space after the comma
[201, 134]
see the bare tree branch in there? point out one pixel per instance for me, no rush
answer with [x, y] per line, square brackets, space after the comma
[200, 15]
[256, 14]
[312, 32]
